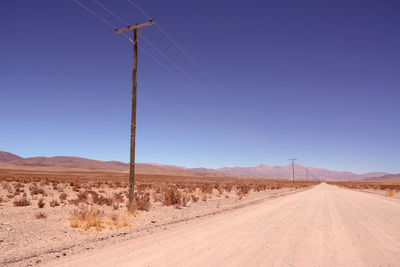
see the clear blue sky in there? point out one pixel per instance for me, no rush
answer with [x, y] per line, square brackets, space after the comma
[316, 80]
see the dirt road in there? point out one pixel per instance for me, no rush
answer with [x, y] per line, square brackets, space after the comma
[324, 226]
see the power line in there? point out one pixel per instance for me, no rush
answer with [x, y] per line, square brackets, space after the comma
[94, 13]
[174, 64]
[101, 18]
[208, 77]
[155, 48]
[130, 40]
[169, 70]
[112, 13]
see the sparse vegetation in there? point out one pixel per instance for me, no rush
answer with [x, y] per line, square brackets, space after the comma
[63, 197]
[41, 203]
[40, 215]
[86, 217]
[369, 185]
[142, 201]
[389, 193]
[22, 202]
[88, 194]
[172, 196]
[54, 203]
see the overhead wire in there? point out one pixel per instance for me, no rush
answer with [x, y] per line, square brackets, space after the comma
[130, 40]
[94, 13]
[167, 69]
[208, 77]
[155, 48]
[174, 64]
[112, 13]
[101, 18]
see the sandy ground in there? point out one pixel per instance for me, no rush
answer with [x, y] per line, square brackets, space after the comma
[324, 226]
[26, 241]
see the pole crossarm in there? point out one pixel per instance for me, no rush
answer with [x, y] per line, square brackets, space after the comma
[135, 27]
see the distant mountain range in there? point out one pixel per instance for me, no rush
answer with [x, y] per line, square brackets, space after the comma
[11, 161]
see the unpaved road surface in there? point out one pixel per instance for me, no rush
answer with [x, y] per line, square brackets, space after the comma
[324, 226]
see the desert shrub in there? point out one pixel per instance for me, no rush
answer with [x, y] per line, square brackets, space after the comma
[221, 189]
[194, 198]
[54, 203]
[142, 201]
[228, 187]
[389, 193]
[157, 195]
[260, 187]
[40, 215]
[105, 201]
[37, 191]
[18, 187]
[95, 196]
[63, 196]
[41, 203]
[86, 218]
[185, 198]
[119, 197]
[242, 189]
[9, 189]
[172, 196]
[2, 199]
[81, 198]
[206, 188]
[22, 202]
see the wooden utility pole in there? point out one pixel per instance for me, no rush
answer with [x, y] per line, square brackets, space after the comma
[293, 167]
[133, 116]
[307, 175]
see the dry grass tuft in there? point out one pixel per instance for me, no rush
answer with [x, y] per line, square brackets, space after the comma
[389, 193]
[185, 198]
[40, 215]
[41, 203]
[195, 198]
[86, 218]
[114, 223]
[22, 202]
[172, 196]
[63, 197]
[142, 201]
[54, 203]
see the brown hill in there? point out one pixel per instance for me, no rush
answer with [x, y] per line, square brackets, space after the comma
[300, 172]
[71, 162]
[65, 164]
[6, 157]
[11, 161]
[385, 178]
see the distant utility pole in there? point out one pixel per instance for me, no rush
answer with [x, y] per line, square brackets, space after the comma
[293, 167]
[307, 175]
[133, 116]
